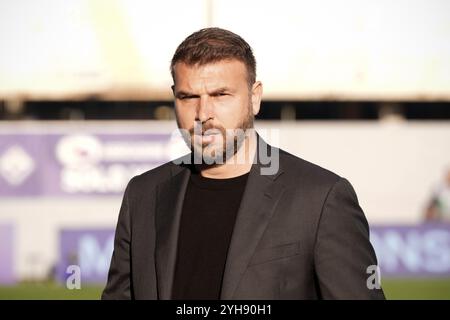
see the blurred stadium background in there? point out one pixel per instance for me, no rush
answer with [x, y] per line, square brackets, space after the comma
[359, 87]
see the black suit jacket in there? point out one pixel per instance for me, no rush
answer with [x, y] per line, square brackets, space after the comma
[299, 234]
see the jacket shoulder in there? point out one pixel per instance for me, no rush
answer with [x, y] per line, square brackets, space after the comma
[297, 169]
[150, 179]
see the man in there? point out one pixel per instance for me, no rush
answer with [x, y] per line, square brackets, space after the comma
[438, 209]
[221, 224]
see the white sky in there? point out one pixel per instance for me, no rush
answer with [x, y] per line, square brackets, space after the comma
[350, 49]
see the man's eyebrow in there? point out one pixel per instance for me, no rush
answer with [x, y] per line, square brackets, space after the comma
[220, 90]
[182, 93]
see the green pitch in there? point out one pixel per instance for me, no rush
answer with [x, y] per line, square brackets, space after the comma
[49, 291]
[416, 289]
[393, 288]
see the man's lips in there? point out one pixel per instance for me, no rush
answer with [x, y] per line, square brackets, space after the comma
[208, 136]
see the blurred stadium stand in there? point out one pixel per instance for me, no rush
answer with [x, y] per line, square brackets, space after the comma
[93, 109]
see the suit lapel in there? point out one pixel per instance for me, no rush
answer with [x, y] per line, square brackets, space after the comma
[257, 206]
[170, 197]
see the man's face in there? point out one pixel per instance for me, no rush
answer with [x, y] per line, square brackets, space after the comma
[211, 102]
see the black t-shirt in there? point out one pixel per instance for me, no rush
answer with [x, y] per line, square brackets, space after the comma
[209, 213]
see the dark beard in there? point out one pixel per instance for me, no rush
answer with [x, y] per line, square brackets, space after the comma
[229, 148]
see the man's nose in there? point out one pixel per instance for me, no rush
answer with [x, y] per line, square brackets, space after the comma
[205, 109]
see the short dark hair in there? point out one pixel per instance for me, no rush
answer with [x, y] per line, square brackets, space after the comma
[212, 45]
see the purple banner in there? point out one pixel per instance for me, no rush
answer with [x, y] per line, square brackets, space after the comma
[417, 251]
[77, 163]
[90, 250]
[402, 251]
[7, 254]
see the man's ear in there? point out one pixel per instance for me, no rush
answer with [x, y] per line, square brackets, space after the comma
[257, 90]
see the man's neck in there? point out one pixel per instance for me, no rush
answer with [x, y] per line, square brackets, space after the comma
[239, 164]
